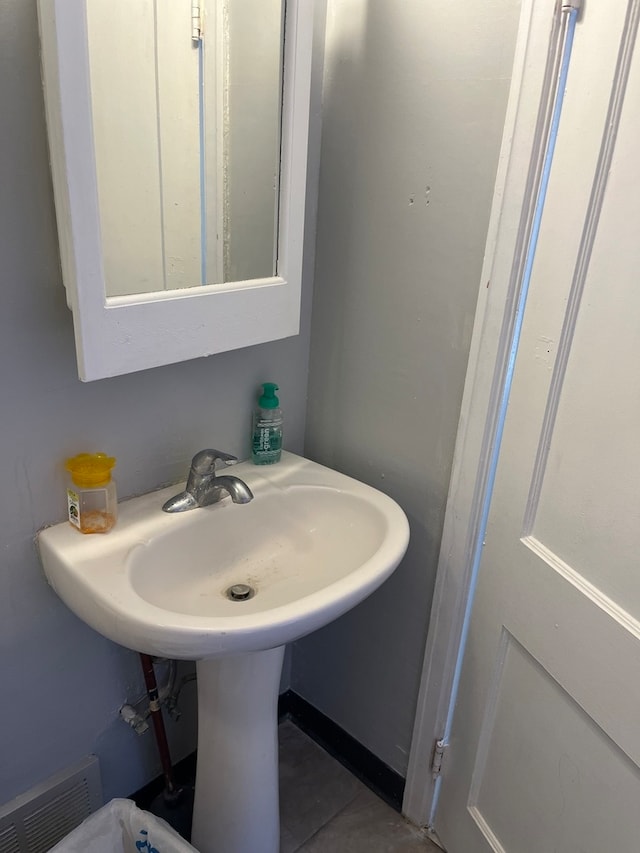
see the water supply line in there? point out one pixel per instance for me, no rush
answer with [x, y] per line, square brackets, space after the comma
[168, 696]
[568, 12]
[171, 792]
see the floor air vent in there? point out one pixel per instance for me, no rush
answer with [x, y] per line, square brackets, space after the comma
[35, 821]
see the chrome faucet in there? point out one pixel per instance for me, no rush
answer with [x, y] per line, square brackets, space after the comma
[204, 487]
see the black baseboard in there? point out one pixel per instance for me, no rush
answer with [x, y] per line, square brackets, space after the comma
[376, 775]
[184, 773]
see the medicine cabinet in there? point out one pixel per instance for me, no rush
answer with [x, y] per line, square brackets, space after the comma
[178, 134]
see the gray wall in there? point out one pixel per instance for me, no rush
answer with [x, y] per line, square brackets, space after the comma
[62, 684]
[413, 108]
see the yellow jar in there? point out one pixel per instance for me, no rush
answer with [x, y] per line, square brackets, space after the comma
[91, 493]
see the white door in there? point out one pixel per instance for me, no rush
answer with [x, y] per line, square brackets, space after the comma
[545, 748]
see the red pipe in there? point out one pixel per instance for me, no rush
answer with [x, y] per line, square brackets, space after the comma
[170, 791]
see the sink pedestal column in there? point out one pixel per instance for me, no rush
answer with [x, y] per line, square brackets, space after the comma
[236, 807]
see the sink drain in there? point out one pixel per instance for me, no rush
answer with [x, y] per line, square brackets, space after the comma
[240, 592]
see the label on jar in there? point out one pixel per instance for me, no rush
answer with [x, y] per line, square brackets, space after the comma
[73, 504]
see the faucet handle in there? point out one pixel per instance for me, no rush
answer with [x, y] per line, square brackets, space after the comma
[204, 462]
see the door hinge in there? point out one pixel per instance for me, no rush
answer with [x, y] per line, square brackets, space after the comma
[196, 21]
[438, 758]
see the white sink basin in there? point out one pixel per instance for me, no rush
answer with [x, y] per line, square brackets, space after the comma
[312, 544]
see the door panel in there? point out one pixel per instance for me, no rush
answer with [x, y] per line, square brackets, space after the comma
[534, 725]
[589, 509]
[545, 751]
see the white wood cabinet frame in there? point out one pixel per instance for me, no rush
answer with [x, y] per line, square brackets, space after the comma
[124, 334]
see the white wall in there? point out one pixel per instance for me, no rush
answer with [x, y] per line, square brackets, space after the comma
[62, 685]
[413, 108]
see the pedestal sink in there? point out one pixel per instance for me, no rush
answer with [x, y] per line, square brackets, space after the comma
[312, 544]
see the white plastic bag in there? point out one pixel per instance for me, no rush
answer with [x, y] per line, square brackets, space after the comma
[121, 827]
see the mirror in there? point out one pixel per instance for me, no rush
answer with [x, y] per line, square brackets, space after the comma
[178, 133]
[187, 139]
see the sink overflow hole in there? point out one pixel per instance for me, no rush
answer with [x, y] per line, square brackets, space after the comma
[240, 592]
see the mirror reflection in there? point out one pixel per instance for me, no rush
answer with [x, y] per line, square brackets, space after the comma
[187, 139]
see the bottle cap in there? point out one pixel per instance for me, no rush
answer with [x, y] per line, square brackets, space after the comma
[90, 469]
[268, 400]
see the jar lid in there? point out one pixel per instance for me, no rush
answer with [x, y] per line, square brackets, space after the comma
[90, 469]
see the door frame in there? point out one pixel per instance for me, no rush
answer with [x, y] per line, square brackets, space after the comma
[513, 200]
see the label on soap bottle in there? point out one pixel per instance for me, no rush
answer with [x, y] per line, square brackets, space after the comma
[266, 446]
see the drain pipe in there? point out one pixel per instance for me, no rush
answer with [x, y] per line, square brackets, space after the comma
[171, 792]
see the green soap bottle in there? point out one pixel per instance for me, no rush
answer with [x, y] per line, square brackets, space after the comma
[266, 442]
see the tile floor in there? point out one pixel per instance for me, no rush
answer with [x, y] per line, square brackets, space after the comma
[324, 809]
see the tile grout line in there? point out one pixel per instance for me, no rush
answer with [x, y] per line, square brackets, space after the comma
[331, 819]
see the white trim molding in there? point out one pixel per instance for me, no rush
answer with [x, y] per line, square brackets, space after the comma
[535, 63]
